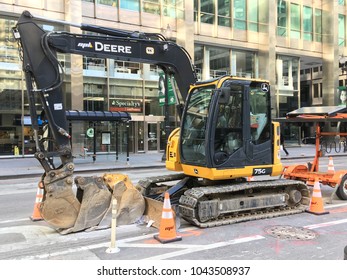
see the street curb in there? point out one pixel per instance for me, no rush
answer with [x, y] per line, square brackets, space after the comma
[104, 170]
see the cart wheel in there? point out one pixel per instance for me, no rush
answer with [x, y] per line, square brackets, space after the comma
[341, 191]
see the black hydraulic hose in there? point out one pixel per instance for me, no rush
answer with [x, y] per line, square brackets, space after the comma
[55, 63]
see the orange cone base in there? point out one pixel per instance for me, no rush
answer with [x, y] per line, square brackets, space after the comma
[317, 213]
[34, 219]
[164, 240]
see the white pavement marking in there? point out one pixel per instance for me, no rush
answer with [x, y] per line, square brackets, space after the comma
[335, 205]
[14, 221]
[206, 247]
[120, 243]
[185, 248]
[16, 192]
[327, 224]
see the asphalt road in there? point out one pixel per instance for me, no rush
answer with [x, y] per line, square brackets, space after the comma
[311, 237]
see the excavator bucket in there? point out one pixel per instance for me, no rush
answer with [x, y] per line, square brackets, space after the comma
[96, 194]
[91, 207]
[130, 202]
[154, 211]
[95, 200]
[60, 206]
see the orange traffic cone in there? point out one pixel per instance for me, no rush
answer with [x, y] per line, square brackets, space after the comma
[167, 228]
[331, 168]
[316, 203]
[36, 216]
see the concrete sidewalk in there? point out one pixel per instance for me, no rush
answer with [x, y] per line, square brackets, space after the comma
[29, 166]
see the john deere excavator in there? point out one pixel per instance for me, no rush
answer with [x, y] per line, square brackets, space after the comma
[226, 135]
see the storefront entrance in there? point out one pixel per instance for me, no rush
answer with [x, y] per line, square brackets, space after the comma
[148, 135]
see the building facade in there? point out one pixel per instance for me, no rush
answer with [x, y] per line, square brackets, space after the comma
[298, 45]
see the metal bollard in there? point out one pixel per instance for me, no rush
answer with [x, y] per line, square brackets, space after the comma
[113, 248]
[345, 258]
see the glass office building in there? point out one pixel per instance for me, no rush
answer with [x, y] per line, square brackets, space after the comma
[298, 45]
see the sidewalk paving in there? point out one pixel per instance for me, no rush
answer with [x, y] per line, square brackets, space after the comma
[29, 166]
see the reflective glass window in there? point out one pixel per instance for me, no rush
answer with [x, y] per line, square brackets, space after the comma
[308, 23]
[342, 30]
[224, 13]
[253, 15]
[106, 2]
[132, 5]
[207, 11]
[295, 21]
[219, 62]
[242, 64]
[282, 18]
[151, 6]
[318, 25]
[239, 14]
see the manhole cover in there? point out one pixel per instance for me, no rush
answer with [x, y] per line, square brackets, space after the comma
[291, 233]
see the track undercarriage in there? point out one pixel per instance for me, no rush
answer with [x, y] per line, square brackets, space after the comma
[232, 201]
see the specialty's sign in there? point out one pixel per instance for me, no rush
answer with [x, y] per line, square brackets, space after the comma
[122, 105]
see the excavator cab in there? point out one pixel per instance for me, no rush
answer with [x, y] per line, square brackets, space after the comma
[227, 131]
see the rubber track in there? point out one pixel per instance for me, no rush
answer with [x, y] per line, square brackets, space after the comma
[199, 193]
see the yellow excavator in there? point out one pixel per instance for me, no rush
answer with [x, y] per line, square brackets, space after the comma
[226, 135]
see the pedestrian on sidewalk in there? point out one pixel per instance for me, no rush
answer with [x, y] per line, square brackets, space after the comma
[282, 144]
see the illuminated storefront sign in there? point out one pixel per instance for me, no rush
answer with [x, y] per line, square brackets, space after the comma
[122, 105]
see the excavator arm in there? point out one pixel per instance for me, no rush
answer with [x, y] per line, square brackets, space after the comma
[88, 208]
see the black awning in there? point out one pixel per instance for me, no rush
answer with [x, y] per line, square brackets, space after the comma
[327, 111]
[75, 115]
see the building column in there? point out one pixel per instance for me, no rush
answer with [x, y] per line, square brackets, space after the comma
[267, 55]
[205, 75]
[330, 79]
[186, 28]
[73, 13]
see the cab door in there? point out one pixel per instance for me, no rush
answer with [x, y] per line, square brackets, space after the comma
[241, 126]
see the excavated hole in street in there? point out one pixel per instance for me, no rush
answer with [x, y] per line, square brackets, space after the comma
[291, 233]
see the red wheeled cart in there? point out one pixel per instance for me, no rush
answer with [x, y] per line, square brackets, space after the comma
[319, 116]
